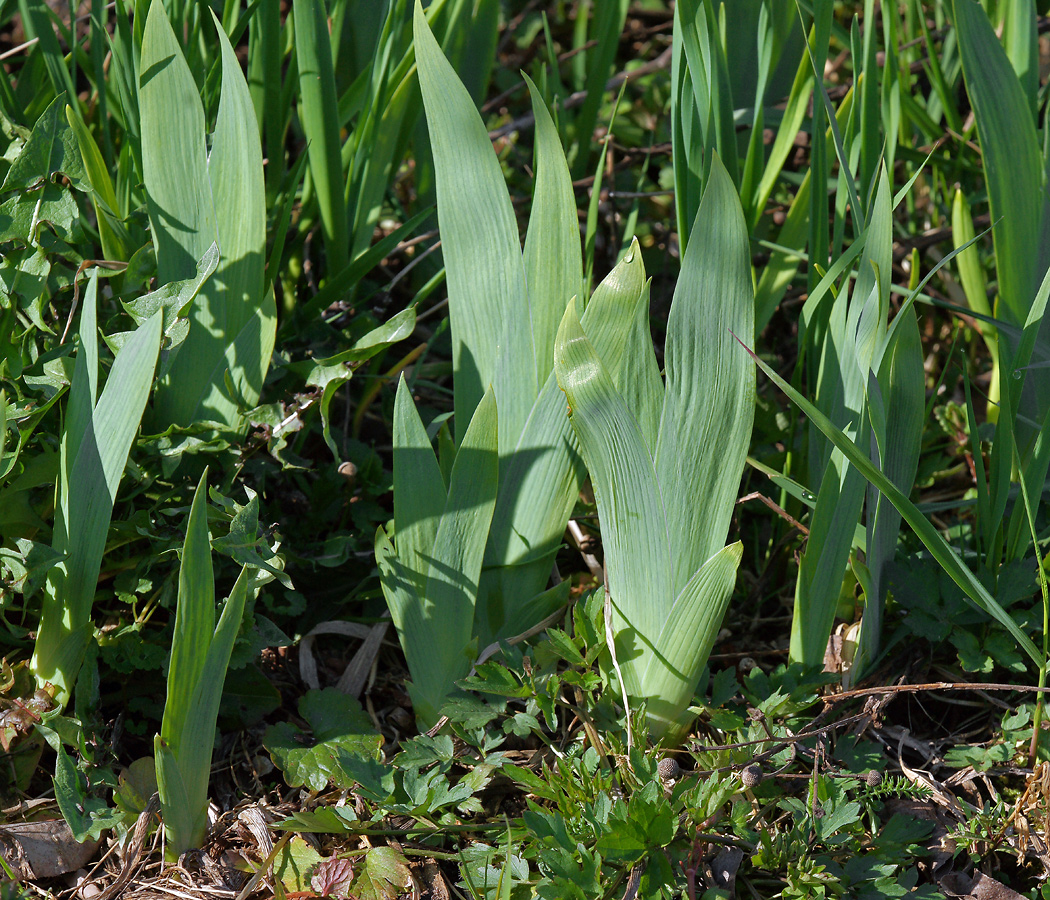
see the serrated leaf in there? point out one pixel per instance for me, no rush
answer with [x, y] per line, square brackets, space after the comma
[295, 863]
[86, 816]
[51, 150]
[565, 647]
[338, 725]
[175, 296]
[383, 875]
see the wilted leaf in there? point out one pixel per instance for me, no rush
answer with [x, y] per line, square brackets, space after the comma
[332, 877]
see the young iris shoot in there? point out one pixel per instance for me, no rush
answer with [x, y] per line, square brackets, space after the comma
[94, 450]
[665, 457]
[504, 306]
[200, 655]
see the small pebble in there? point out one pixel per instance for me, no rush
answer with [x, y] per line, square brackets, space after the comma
[86, 889]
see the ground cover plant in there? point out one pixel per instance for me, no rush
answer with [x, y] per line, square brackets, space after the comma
[671, 377]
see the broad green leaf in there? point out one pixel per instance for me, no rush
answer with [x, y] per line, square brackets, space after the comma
[181, 818]
[92, 467]
[87, 816]
[333, 372]
[638, 378]
[384, 875]
[419, 494]
[451, 587]
[83, 393]
[173, 298]
[198, 738]
[651, 527]
[541, 475]
[245, 314]
[174, 157]
[294, 864]
[710, 398]
[633, 511]
[51, 150]
[430, 570]
[685, 642]
[194, 200]
[338, 725]
[492, 333]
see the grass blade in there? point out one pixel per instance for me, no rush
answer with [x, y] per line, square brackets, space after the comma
[931, 538]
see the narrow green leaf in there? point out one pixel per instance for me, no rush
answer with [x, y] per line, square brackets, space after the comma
[198, 739]
[1012, 161]
[320, 121]
[194, 619]
[902, 383]
[607, 25]
[112, 233]
[794, 115]
[552, 257]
